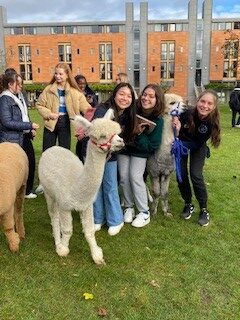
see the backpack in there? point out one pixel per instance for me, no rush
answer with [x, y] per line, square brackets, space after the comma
[234, 102]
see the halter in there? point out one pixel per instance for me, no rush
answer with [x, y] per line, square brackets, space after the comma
[105, 144]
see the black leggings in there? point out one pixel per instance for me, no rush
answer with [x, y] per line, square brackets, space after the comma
[28, 148]
[197, 160]
[234, 114]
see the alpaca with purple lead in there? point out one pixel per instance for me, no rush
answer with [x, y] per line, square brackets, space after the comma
[69, 185]
[161, 164]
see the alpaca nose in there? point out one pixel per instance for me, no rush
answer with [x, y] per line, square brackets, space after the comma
[117, 143]
[120, 140]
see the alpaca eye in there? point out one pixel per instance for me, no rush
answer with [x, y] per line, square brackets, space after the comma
[103, 136]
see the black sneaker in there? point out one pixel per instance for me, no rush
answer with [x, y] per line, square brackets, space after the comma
[203, 218]
[187, 211]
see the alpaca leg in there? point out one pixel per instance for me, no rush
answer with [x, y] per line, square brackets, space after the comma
[164, 195]
[8, 227]
[18, 212]
[88, 230]
[156, 194]
[55, 222]
[66, 231]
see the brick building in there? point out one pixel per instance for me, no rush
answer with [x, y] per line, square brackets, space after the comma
[181, 54]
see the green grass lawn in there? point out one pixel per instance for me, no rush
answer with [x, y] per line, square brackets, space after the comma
[170, 269]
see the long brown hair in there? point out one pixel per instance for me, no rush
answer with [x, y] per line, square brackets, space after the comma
[214, 118]
[159, 107]
[70, 77]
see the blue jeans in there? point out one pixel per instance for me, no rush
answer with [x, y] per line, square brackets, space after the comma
[107, 207]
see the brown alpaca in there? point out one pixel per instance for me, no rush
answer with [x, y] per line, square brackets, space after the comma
[13, 179]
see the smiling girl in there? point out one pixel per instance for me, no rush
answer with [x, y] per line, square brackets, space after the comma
[132, 160]
[195, 127]
[107, 208]
[58, 102]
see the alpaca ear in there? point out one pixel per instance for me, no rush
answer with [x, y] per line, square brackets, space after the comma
[109, 114]
[82, 122]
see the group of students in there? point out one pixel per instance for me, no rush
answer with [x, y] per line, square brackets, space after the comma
[66, 96]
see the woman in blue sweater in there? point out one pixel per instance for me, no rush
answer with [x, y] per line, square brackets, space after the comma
[133, 158]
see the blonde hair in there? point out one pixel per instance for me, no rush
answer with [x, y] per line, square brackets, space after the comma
[70, 77]
[123, 77]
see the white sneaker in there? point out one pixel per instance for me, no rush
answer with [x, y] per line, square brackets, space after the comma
[141, 220]
[129, 215]
[97, 226]
[31, 196]
[39, 189]
[112, 231]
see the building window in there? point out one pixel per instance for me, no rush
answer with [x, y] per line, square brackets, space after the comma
[236, 25]
[56, 30]
[105, 28]
[164, 27]
[25, 61]
[231, 49]
[112, 28]
[97, 29]
[228, 25]
[179, 27]
[29, 30]
[105, 61]
[167, 60]
[71, 29]
[172, 27]
[65, 53]
[17, 30]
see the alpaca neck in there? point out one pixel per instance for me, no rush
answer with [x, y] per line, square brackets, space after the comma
[167, 135]
[91, 177]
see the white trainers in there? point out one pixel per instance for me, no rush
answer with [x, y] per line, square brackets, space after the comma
[39, 189]
[141, 220]
[129, 215]
[31, 196]
[97, 226]
[112, 231]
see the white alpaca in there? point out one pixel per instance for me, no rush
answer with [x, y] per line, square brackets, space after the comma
[161, 164]
[70, 185]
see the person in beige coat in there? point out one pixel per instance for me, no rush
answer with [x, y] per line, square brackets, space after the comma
[60, 101]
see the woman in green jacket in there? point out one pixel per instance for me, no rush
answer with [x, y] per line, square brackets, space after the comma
[132, 160]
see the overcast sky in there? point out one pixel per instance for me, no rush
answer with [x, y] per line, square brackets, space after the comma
[97, 10]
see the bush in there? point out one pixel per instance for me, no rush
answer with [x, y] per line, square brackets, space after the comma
[97, 87]
[219, 86]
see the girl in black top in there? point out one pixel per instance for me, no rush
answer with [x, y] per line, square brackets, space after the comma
[195, 127]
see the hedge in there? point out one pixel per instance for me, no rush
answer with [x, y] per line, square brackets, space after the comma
[219, 86]
[97, 87]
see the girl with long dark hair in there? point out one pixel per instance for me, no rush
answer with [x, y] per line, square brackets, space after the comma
[195, 127]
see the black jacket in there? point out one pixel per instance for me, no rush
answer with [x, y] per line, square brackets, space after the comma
[11, 124]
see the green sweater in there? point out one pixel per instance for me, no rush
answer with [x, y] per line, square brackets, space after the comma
[145, 144]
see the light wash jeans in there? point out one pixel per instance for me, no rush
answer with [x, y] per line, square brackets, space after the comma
[107, 207]
[131, 170]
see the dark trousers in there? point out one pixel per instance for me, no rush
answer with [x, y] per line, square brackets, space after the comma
[234, 114]
[196, 163]
[28, 148]
[62, 133]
